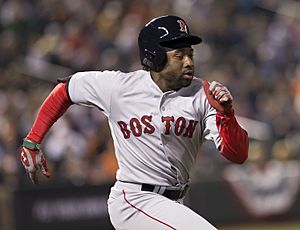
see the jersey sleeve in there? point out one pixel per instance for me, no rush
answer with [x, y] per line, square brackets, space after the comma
[235, 142]
[93, 88]
[210, 130]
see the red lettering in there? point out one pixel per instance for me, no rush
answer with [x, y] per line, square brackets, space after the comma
[179, 125]
[182, 25]
[146, 121]
[124, 130]
[168, 124]
[190, 129]
[135, 127]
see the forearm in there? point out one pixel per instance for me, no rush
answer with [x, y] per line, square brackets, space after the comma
[234, 139]
[51, 110]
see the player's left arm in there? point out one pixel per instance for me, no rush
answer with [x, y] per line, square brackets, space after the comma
[234, 139]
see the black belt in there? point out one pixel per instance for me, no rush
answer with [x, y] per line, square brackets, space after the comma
[171, 194]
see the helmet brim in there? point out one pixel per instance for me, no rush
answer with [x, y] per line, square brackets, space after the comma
[182, 41]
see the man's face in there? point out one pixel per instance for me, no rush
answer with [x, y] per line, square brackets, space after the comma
[179, 70]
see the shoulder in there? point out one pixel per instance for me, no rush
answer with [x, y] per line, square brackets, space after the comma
[196, 93]
[109, 79]
[196, 84]
[132, 78]
[134, 75]
[194, 89]
[110, 74]
[97, 74]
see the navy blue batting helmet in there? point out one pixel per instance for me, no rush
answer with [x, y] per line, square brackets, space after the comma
[160, 34]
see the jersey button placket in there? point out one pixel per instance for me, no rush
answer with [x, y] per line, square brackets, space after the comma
[162, 110]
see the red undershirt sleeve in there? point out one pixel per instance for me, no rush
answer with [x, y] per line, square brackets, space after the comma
[234, 139]
[51, 110]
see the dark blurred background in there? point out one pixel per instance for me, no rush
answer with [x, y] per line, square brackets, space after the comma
[252, 46]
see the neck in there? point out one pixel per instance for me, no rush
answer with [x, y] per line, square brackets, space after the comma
[160, 81]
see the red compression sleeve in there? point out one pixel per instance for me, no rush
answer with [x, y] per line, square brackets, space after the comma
[53, 108]
[234, 140]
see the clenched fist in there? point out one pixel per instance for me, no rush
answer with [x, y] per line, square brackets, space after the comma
[33, 160]
[218, 96]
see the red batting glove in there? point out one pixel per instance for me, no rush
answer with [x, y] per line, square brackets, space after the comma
[33, 160]
[218, 97]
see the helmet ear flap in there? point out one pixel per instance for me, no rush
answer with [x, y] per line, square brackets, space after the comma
[154, 60]
[148, 59]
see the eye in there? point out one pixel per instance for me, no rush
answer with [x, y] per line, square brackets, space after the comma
[179, 55]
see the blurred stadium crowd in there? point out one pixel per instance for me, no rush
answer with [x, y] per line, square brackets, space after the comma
[252, 46]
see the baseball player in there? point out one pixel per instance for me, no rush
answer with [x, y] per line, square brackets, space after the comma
[159, 117]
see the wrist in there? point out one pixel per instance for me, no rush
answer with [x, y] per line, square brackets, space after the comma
[30, 144]
[226, 114]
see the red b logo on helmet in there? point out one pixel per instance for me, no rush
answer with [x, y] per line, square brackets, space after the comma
[182, 26]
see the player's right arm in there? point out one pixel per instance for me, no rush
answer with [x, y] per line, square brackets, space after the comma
[55, 105]
[92, 88]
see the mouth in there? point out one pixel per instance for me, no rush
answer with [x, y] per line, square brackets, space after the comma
[188, 74]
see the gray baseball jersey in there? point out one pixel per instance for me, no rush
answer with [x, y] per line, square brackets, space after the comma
[156, 134]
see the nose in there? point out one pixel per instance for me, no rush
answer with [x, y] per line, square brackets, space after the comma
[188, 61]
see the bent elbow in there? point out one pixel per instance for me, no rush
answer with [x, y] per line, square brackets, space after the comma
[236, 153]
[237, 158]
[242, 159]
